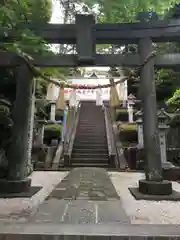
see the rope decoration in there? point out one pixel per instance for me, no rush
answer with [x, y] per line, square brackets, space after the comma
[37, 73]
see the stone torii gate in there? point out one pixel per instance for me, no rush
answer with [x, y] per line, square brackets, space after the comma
[86, 34]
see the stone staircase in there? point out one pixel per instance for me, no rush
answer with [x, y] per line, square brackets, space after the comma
[90, 147]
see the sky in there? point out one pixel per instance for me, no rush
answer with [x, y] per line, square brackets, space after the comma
[56, 12]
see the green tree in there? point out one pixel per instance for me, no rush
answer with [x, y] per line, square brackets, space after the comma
[126, 11]
[15, 14]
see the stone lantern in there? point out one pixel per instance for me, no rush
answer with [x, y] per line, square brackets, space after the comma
[139, 122]
[163, 127]
[131, 102]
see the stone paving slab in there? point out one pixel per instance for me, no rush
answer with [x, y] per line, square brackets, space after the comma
[87, 184]
[112, 212]
[50, 211]
[80, 212]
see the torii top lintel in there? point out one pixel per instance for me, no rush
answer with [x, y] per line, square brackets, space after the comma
[85, 33]
[124, 33]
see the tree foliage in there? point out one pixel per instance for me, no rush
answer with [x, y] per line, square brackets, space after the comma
[126, 10]
[108, 11]
[15, 14]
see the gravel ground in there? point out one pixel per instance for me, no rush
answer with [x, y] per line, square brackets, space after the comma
[20, 208]
[141, 211]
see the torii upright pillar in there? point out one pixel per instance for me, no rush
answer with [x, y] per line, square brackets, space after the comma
[17, 180]
[153, 184]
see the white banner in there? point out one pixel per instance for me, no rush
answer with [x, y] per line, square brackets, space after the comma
[87, 94]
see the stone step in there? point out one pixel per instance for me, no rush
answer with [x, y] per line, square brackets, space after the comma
[90, 144]
[91, 134]
[97, 165]
[91, 120]
[96, 128]
[82, 143]
[89, 150]
[89, 160]
[87, 145]
[90, 138]
[91, 127]
[94, 132]
[89, 155]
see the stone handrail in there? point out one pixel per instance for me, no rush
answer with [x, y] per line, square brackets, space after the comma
[69, 139]
[119, 159]
[110, 138]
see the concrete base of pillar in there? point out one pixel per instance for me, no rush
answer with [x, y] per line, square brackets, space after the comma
[175, 196]
[155, 191]
[17, 188]
[155, 188]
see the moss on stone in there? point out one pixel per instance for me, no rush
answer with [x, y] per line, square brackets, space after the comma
[121, 114]
[4, 110]
[53, 127]
[121, 110]
[127, 127]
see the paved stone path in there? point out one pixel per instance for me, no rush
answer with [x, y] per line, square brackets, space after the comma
[86, 184]
[80, 212]
[85, 196]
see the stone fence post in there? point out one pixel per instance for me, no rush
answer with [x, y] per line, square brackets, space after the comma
[52, 110]
[163, 127]
[41, 124]
[131, 102]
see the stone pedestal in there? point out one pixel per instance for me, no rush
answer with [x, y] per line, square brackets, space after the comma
[14, 186]
[155, 188]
